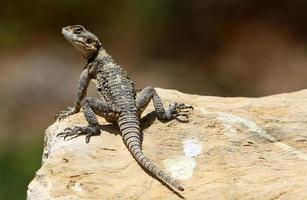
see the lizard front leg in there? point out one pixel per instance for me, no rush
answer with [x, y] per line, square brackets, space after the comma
[91, 106]
[174, 111]
[83, 85]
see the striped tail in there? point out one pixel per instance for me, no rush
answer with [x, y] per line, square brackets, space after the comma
[129, 125]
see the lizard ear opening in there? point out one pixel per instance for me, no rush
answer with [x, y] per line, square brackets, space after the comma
[97, 44]
[89, 40]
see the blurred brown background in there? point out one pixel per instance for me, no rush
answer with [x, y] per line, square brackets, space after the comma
[212, 47]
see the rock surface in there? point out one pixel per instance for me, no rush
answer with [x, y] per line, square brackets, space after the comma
[232, 148]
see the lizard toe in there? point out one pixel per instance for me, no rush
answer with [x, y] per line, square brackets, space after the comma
[179, 112]
[71, 133]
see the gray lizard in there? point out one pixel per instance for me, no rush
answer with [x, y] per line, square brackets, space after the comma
[118, 103]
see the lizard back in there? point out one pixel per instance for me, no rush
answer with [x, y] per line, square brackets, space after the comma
[116, 87]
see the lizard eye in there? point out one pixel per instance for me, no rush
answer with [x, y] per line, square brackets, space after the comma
[88, 40]
[78, 30]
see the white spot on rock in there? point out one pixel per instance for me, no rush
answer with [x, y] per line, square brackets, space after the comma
[182, 167]
[77, 187]
[192, 147]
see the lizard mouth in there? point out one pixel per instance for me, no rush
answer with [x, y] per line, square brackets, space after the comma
[65, 31]
[71, 37]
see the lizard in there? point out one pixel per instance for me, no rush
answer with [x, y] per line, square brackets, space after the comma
[119, 103]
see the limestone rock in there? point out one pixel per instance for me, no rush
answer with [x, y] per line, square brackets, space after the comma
[232, 148]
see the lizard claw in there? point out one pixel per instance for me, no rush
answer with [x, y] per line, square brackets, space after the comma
[65, 113]
[71, 133]
[179, 112]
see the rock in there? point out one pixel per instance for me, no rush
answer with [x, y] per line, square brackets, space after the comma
[232, 148]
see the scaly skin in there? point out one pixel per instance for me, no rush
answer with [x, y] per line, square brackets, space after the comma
[118, 103]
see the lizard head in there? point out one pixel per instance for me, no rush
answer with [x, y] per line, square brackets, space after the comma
[84, 41]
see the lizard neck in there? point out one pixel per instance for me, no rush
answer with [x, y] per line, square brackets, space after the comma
[101, 54]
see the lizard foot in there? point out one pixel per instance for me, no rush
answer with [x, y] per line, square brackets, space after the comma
[65, 113]
[178, 112]
[88, 131]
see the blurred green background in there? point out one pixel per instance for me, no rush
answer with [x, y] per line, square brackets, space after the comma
[210, 47]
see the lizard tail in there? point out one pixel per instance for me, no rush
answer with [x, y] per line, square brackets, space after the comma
[129, 125]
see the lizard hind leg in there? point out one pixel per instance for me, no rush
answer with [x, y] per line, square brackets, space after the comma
[174, 111]
[91, 106]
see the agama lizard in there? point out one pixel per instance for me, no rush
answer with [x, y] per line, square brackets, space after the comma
[118, 103]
